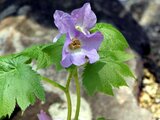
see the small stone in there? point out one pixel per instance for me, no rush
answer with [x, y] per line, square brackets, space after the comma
[147, 73]
[157, 114]
[157, 100]
[8, 11]
[147, 81]
[158, 92]
[151, 89]
[145, 100]
[24, 10]
[154, 107]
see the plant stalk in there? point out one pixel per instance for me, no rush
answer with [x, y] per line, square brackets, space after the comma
[53, 83]
[78, 95]
[64, 89]
[69, 115]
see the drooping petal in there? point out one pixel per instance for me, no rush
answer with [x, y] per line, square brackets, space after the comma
[92, 56]
[91, 41]
[43, 116]
[63, 21]
[65, 50]
[57, 37]
[78, 58]
[66, 61]
[84, 17]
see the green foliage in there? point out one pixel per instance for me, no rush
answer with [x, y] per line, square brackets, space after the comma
[101, 118]
[110, 71]
[113, 39]
[116, 55]
[102, 76]
[36, 52]
[46, 54]
[55, 52]
[18, 84]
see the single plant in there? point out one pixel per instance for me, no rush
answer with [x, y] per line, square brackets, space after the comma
[98, 47]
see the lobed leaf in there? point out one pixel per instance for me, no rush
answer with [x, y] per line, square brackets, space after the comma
[113, 39]
[18, 84]
[103, 76]
[116, 55]
[110, 71]
[46, 54]
[54, 50]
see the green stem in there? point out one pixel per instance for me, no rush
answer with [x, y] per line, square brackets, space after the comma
[78, 95]
[55, 84]
[68, 96]
[65, 90]
[69, 115]
[69, 79]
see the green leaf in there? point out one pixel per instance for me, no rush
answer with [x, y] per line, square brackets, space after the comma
[101, 118]
[113, 39]
[7, 62]
[102, 76]
[46, 54]
[110, 71]
[55, 52]
[116, 55]
[18, 84]
[36, 52]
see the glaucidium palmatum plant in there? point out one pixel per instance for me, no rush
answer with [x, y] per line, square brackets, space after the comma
[97, 47]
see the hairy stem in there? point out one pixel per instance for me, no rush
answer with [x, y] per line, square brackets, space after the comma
[53, 83]
[68, 96]
[78, 95]
[69, 115]
[64, 89]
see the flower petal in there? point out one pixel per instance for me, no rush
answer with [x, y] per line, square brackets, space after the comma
[84, 17]
[65, 50]
[91, 41]
[56, 37]
[63, 21]
[43, 116]
[92, 56]
[66, 61]
[78, 58]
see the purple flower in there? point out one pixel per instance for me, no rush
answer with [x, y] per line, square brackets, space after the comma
[80, 46]
[79, 49]
[43, 116]
[82, 19]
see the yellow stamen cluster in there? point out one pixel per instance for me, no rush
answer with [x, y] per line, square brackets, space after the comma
[75, 44]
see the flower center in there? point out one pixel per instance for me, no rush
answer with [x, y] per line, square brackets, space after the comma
[75, 44]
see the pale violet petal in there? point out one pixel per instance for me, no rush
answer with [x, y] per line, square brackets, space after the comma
[78, 58]
[57, 37]
[91, 41]
[43, 116]
[92, 56]
[63, 21]
[66, 61]
[84, 17]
